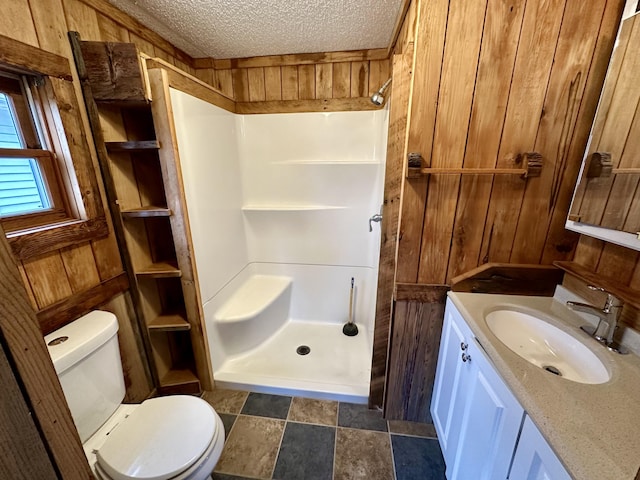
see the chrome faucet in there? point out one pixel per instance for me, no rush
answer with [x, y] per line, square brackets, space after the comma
[608, 316]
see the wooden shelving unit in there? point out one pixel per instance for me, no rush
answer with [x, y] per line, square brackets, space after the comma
[149, 214]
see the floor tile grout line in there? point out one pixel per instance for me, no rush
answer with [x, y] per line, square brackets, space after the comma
[335, 449]
[275, 463]
[393, 457]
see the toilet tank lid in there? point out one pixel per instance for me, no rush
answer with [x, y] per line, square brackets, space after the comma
[83, 336]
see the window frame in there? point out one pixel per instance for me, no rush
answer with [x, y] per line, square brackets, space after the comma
[80, 216]
[32, 126]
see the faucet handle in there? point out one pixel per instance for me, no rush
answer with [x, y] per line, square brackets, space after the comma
[612, 300]
[597, 289]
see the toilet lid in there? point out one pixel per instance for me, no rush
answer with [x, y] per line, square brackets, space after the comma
[160, 439]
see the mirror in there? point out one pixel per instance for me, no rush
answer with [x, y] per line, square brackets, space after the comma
[606, 202]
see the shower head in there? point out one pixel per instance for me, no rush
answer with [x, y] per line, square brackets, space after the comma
[378, 97]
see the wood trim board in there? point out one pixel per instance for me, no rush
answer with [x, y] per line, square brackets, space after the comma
[32, 60]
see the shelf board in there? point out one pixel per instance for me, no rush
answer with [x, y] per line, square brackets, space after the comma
[132, 146]
[169, 323]
[146, 212]
[160, 270]
[179, 380]
[327, 162]
[288, 208]
[623, 292]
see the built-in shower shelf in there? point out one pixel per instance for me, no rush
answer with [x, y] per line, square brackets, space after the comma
[328, 162]
[289, 208]
[169, 323]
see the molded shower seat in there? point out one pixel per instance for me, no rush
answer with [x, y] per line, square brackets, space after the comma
[255, 311]
[253, 298]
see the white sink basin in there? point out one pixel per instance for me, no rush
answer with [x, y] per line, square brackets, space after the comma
[546, 346]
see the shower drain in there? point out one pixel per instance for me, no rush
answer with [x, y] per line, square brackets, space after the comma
[303, 350]
[552, 369]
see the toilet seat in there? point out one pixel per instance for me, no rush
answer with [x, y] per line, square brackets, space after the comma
[160, 440]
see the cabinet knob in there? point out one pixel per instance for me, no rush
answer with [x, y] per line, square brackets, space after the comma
[466, 357]
[463, 346]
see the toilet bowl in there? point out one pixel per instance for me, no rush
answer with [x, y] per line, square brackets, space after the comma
[167, 438]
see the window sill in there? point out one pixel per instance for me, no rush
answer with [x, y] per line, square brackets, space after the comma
[38, 241]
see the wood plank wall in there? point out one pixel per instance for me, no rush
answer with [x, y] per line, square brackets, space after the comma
[512, 77]
[299, 77]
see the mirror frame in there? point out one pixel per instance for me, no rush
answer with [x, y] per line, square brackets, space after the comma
[618, 237]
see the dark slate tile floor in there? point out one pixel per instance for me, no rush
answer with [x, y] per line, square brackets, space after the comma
[284, 438]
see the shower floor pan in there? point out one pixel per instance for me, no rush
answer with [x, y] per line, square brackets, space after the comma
[337, 367]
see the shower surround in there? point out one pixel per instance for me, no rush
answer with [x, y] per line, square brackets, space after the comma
[279, 208]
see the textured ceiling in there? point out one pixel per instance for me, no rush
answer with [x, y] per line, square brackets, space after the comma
[250, 28]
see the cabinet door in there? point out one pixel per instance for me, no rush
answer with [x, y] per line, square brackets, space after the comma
[534, 459]
[447, 403]
[490, 424]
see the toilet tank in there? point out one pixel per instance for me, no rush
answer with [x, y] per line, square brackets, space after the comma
[86, 357]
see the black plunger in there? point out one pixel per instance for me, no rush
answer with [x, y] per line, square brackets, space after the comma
[350, 329]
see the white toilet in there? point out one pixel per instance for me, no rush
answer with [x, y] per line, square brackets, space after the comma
[168, 438]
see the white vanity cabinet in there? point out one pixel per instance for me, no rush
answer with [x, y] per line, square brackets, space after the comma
[534, 459]
[476, 416]
[478, 419]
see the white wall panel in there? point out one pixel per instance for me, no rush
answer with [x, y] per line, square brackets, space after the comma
[209, 160]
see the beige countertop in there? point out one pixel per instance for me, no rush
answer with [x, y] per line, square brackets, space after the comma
[594, 429]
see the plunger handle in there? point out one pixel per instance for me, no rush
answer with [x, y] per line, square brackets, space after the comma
[351, 303]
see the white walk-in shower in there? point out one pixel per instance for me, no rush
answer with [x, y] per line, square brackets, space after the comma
[279, 207]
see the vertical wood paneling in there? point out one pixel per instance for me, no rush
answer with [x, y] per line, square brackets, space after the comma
[497, 56]
[82, 19]
[429, 39]
[618, 263]
[160, 53]
[378, 74]
[27, 286]
[110, 31]
[534, 87]
[51, 26]
[255, 76]
[342, 80]
[566, 88]
[48, 279]
[17, 22]
[224, 82]
[272, 83]
[359, 79]
[143, 45]
[538, 40]
[80, 267]
[324, 79]
[307, 82]
[289, 82]
[107, 255]
[207, 75]
[134, 366]
[457, 81]
[240, 84]
[412, 358]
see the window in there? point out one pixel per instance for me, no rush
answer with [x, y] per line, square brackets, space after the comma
[31, 193]
[55, 201]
